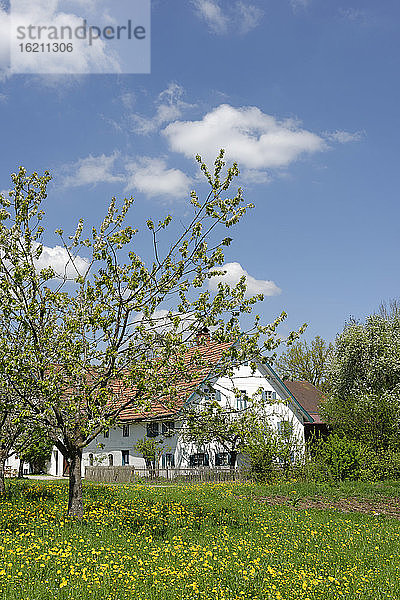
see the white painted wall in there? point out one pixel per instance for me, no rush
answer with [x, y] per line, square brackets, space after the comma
[13, 462]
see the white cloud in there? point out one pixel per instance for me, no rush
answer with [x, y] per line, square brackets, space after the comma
[148, 175]
[211, 12]
[169, 106]
[128, 100]
[91, 171]
[353, 14]
[249, 17]
[152, 177]
[4, 42]
[96, 58]
[234, 271]
[238, 17]
[3, 98]
[58, 258]
[252, 176]
[256, 140]
[299, 4]
[344, 137]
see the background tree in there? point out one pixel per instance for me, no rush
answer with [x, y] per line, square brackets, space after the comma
[34, 447]
[151, 450]
[310, 362]
[14, 419]
[86, 342]
[389, 309]
[364, 402]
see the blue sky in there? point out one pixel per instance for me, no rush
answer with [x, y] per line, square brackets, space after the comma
[303, 94]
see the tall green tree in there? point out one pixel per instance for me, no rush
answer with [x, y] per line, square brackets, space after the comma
[310, 362]
[79, 346]
[364, 400]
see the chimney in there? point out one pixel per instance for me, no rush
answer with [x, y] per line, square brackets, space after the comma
[203, 337]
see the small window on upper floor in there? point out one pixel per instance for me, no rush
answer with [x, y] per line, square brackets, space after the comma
[212, 395]
[152, 429]
[91, 460]
[241, 401]
[106, 433]
[168, 428]
[125, 430]
[268, 395]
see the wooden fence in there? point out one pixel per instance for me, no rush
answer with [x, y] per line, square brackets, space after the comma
[129, 474]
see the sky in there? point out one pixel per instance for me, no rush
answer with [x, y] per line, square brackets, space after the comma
[303, 94]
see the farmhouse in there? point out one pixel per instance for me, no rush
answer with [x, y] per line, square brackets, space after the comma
[292, 402]
[286, 402]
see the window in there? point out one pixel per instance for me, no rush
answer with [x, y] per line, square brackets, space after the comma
[285, 429]
[268, 395]
[110, 460]
[125, 457]
[241, 401]
[91, 460]
[106, 433]
[222, 459]
[168, 428]
[152, 429]
[125, 430]
[168, 460]
[199, 460]
[212, 395]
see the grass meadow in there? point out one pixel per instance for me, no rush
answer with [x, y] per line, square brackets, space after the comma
[205, 541]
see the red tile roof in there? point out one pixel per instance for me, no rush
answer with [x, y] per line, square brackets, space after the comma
[308, 396]
[210, 355]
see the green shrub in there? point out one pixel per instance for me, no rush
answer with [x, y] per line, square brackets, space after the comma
[381, 465]
[259, 458]
[338, 458]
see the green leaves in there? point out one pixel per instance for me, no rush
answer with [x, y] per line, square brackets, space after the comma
[309, 362]
[364, 399]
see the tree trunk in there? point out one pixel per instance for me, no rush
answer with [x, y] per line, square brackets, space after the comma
[2, 482]
[75, 499]
[21, 469]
